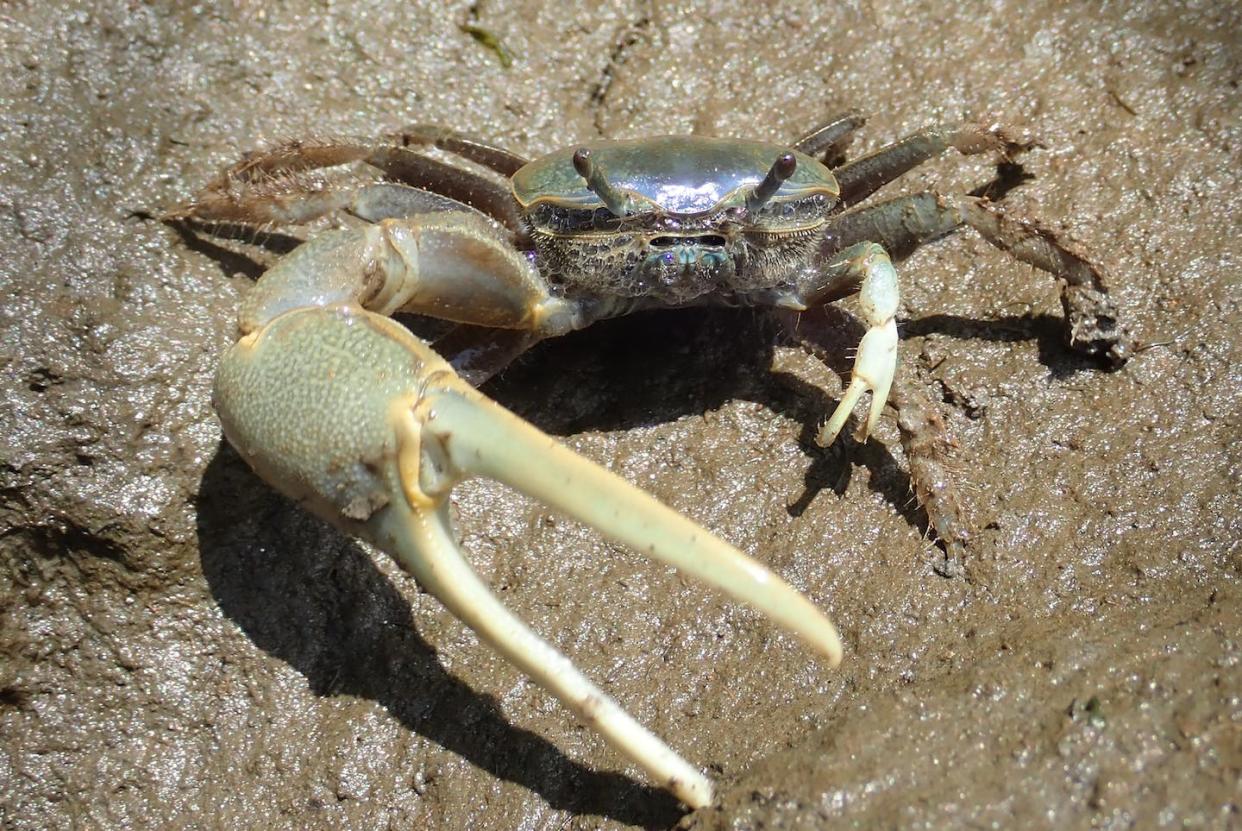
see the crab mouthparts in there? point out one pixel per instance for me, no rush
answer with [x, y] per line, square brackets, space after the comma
[700, 240]
[688, 256]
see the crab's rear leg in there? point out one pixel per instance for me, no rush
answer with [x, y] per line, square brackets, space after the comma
[345, 411]
[829, 139]
[904, 223]
[477, 150]
[274, 186]
[864, 176]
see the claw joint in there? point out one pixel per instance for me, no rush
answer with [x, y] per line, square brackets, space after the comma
[427, 475]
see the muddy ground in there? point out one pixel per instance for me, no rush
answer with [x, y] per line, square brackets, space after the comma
[183, 648]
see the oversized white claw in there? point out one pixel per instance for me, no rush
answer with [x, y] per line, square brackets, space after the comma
[348, 413]
[454, 431]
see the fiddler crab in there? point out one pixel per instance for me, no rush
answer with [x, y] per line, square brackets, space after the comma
[345, 411]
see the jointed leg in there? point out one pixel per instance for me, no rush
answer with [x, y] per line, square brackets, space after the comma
[390, 200]
[1090, 317]
[483, 194]
[903, 224]
[289, 201]
[273, 186]
[830, 138]
[863, 177]
[468, 147]
[928, 447]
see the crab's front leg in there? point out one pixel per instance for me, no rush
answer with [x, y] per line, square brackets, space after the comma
[876, 362]
[345, 411]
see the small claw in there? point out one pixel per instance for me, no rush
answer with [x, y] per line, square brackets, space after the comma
[876, 362]
[873, 370]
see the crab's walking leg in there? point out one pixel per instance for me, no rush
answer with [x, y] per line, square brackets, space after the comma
[904, 223]
[864, 176]
[273, 186]
[477, 150]
[830, 138]
[345, 411]
[877, 353]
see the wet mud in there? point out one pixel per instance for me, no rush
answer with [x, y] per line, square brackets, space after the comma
[181, 648]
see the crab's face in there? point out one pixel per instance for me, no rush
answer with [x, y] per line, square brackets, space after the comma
[674, 218]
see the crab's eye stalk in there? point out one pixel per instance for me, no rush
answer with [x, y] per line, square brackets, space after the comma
[617, 202]
[781, 170]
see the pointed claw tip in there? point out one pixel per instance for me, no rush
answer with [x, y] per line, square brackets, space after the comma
[828, 432]
[696, 794]
[827, 644]
[834, 653]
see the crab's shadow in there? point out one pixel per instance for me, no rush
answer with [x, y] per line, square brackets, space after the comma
[657, 367]
[312, 598]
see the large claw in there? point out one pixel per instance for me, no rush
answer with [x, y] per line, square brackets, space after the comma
[345, 411]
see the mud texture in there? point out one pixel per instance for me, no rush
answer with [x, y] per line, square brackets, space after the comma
[181, 648]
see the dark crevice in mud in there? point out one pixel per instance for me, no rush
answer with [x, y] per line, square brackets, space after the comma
[71, 542]
[13, 698]
[42, 378]
[631, 34]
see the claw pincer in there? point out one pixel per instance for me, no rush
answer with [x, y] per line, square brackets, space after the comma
[346, 412]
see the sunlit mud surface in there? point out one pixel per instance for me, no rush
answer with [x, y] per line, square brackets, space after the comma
[180, 647]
